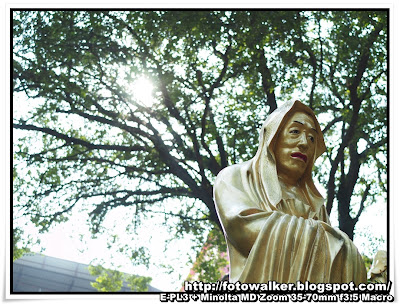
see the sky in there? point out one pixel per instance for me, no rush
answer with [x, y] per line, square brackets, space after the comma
[63, 242]
[59, 243]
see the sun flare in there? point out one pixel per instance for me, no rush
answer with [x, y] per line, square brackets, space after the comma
[143, 91]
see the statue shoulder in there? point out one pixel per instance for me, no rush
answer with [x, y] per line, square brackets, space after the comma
[231, 175]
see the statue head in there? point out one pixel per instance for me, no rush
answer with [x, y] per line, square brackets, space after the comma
[295, 147]
[290, 141]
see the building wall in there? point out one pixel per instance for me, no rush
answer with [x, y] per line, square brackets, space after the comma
[39, 273]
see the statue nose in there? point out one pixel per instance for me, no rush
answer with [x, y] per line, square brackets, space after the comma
[303, 144]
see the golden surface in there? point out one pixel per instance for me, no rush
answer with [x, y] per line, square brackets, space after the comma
[275, 223]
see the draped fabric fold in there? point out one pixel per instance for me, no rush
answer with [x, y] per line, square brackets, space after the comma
[271, 236]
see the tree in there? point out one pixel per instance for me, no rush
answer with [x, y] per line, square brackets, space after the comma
[101, 142]
[112, 280]
[19, 251]
[211, 264]
[107, 280]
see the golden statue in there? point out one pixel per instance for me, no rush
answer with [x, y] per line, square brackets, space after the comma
[275, 223]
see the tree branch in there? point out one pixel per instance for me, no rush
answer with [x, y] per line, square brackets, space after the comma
[177, 215]
[76, 141]
[372, 146]
[331, 123]
[363, 199]
[363, 62]
[266, 79]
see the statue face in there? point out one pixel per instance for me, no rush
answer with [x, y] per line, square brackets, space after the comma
[295, 147]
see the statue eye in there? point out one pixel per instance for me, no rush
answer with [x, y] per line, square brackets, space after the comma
[295, 131]
[312, 139]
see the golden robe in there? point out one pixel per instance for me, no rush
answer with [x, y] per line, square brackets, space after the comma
[273, 236]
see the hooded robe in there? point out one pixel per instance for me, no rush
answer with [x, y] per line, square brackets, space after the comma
[273, 235]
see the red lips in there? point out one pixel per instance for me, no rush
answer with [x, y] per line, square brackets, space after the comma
[300, 156]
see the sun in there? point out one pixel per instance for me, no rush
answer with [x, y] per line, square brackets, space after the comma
[143, 90]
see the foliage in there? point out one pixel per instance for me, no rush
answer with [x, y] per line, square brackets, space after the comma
[112, 280]
[107, 280]
[19, 251]
[212, 261]
[367, 262]
[88, 138]
[138, 283]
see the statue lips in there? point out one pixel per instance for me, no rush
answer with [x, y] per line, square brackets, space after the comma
[300, 156]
